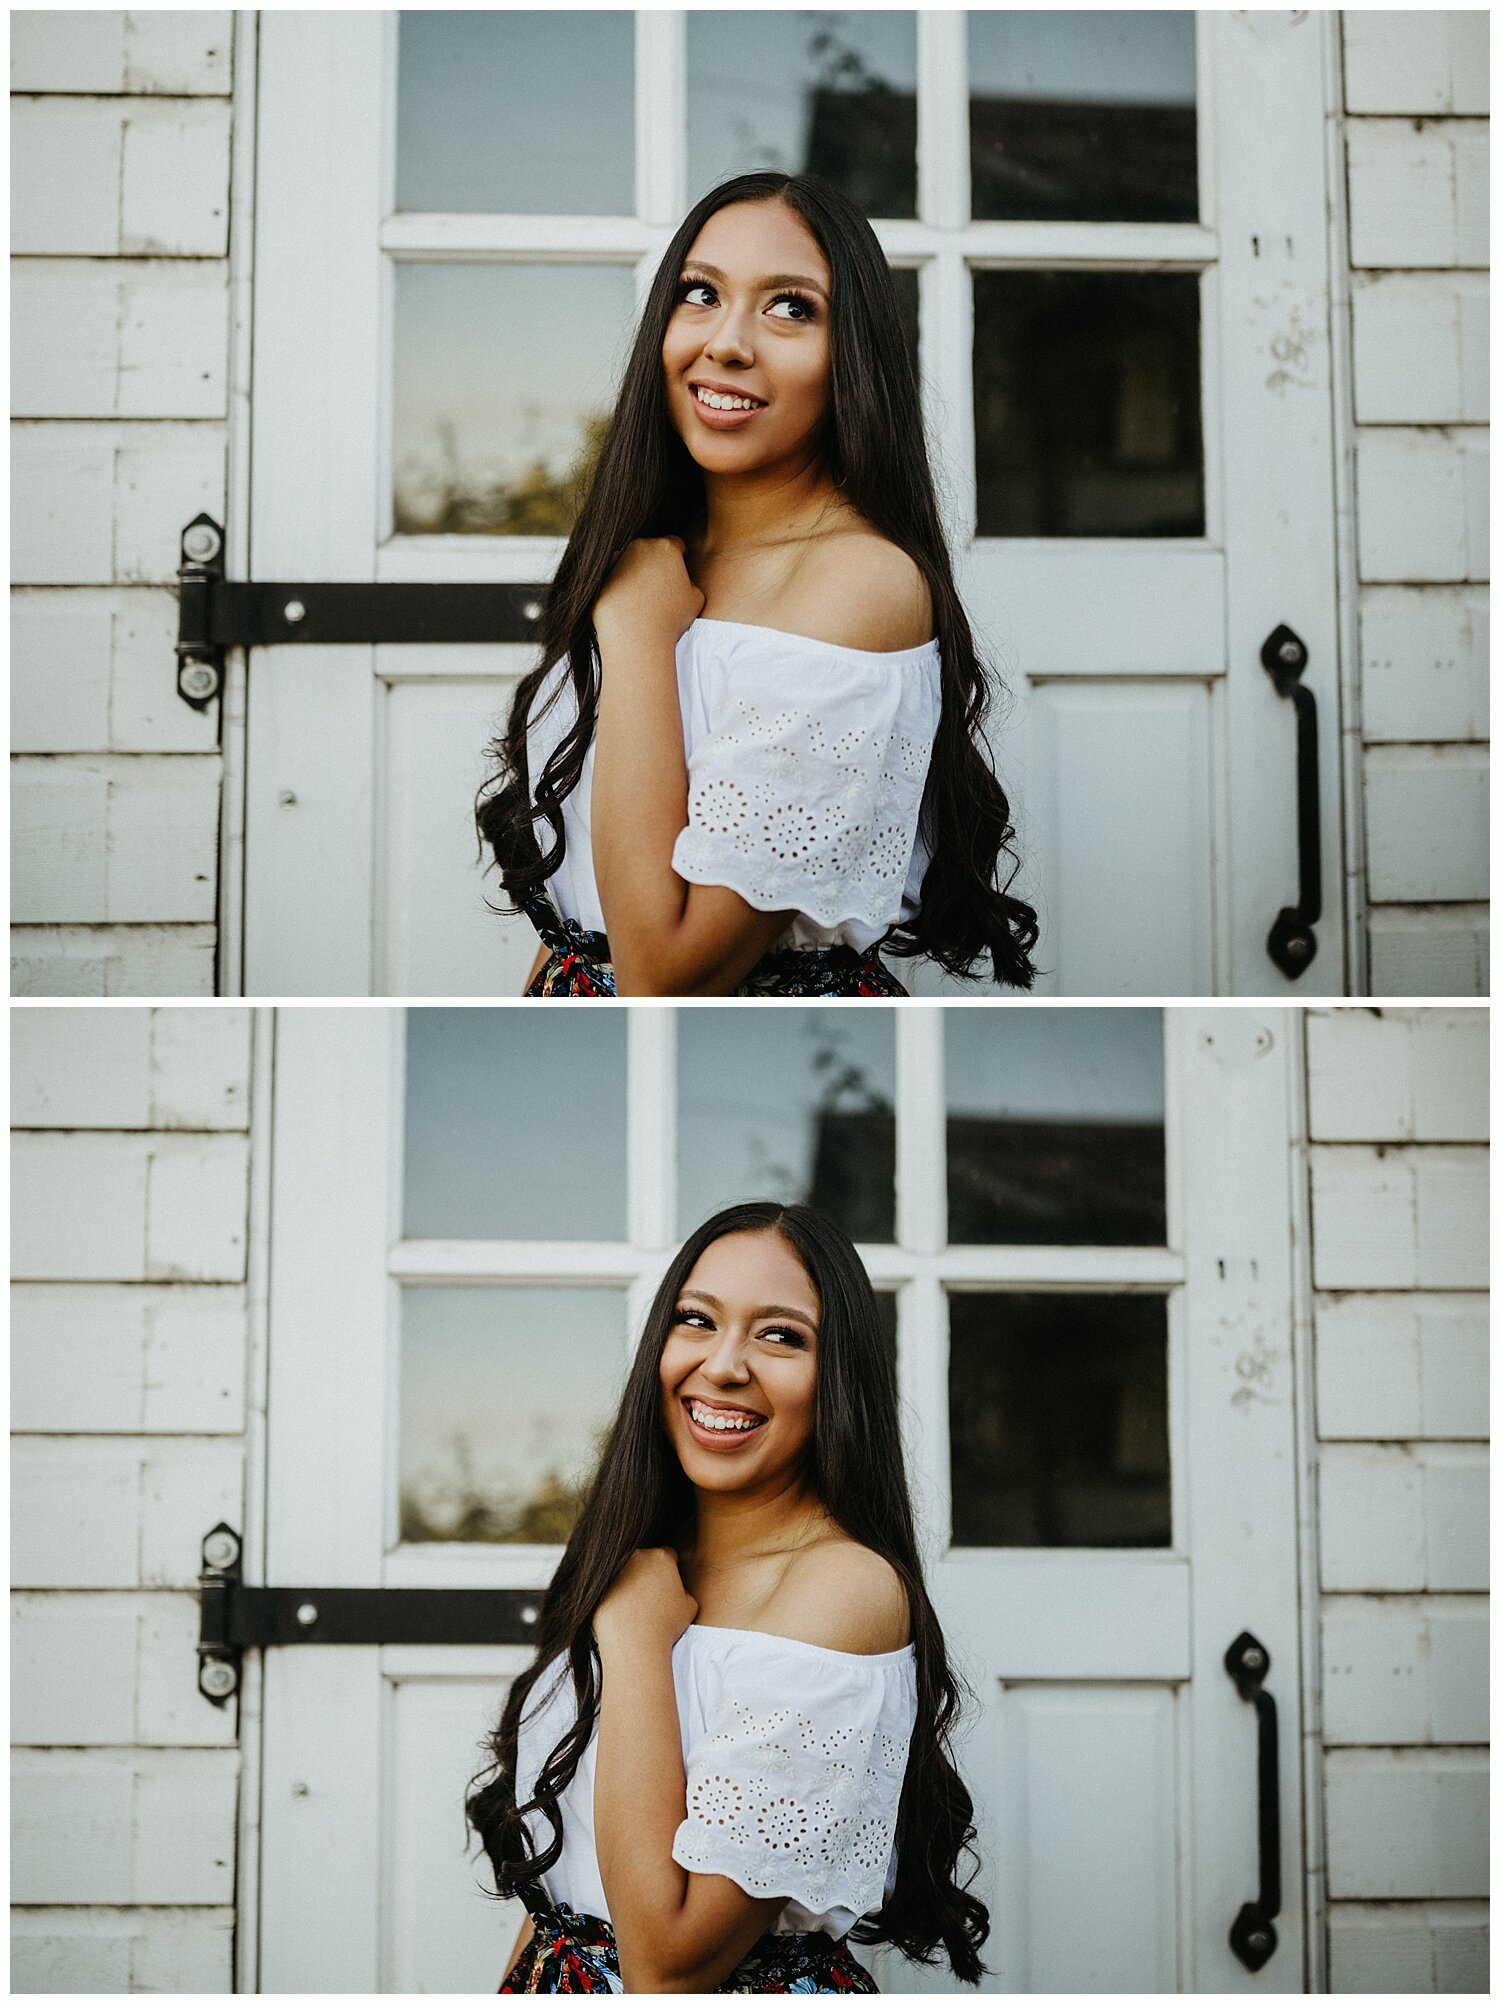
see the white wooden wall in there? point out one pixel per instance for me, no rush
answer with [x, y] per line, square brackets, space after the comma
[119, 346]
[1397, 1118]
[129, 1187]
[1416, 135]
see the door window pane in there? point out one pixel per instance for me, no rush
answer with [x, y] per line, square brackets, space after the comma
[1087, 403]
[526, 113]
[515, 1124]
[794, 1105]
[1056, 1130]
[506, 1395]
[505, 375]
[806, 91]
[1057, 1414]
[1087, 117]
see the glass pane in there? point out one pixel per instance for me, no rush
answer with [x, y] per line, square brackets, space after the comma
[490, 1453]
[1057, 1414]
[505, 375]
[806, 91]
[1056, 1127]
[1087, 403]
[501, 113]
[515, 1124]
[794, 1105]
[1083, 116]
[908, 297]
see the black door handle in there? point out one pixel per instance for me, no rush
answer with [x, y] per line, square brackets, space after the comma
[1252, 1937]
[1291, 942]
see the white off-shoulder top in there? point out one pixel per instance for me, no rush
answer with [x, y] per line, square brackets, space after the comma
[806, 763]
[794, 1756]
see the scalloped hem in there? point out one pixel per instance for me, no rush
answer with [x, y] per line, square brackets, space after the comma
[830, 916]
[775, 1884]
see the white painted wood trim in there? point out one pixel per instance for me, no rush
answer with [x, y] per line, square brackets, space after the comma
[651, 1127]
[661, 116]
[942, 117]
[921, 1130]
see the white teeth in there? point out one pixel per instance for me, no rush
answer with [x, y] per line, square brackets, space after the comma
[721, 1422]
[718, 403]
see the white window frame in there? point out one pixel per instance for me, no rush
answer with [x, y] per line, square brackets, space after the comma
[919, 1266]
[941, 244]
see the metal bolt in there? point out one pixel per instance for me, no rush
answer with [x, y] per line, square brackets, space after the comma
[1254, 1659]
[300, 1788]
[528, 1615]
[1299, 946]
[1290, 652]
[199, 679]
[1258, 1940]
[220, 1550]
[201, 543]
[293, 611]
[532, 610]
[307, 1614]
[286, 798]
[216, 1678]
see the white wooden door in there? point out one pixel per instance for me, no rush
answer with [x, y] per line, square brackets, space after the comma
[1128, 528]
[1090, 1299]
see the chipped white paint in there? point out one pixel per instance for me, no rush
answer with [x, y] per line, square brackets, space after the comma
[111, 340]
[1404, 1516]
[107, 177]
[1407, 1823]
[1400, 1217]
[127, 1068]
[166, 53]
[106, 503]
[1423, 187]
[87, 669]
[1398, 1075]
[110, 1669]
[1403, 1366]
[118, 1511]
[113, 960]
[97, 1358]
[1428, 809]
[1437, 1946]
[1430, 950]
[114, 840]
[115, 1950]
[1405, 1670]
[123, 1825]
[1421, 347]
[1433, 60]
[1425, 652]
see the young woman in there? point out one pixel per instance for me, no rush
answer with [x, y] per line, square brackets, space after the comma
[752, 757]
[731, 1751]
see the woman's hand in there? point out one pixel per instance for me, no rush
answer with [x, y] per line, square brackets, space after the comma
[647, 1605]
[649, 594]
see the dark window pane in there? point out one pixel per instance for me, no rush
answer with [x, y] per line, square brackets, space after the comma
[803, 91]
[1055, 1127]
[505, 376]
[492, 1451]
[1083, 117]
[1057, 1414]
[794, 1105]
[908, 298]
[515, 1124]
[525, 113]
[1087, 403]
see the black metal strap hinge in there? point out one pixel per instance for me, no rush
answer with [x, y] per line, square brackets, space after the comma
[233, 1617]
[214, 613]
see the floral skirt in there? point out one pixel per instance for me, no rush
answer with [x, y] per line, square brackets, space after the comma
[573, 1951]
[578, 963]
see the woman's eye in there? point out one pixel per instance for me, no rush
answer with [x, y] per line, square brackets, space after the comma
[795, 1339]
[693, 285]
[693, 1317]
[804, 306]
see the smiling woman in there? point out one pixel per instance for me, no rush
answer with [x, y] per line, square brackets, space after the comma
[748, 1531]
[751, 758]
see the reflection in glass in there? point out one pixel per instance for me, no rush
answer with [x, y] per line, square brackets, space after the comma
[1056, 1130]
[515, 1124]
[908, 298]
[794, 1105]
[492, 1452]
[1057, 1414]
[505, 376]
[1087, 404]
[525, 113]
[1085, 117]
[806, 91]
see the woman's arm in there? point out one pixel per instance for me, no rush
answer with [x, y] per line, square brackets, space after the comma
[522, 1939]
[675, 1930]
[666, 937]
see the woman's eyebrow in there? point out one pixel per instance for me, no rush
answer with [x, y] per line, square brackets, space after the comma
[762, 285]
[698, 1294]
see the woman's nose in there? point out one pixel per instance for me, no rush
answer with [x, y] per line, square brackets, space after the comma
[730, 337]
[727, 1358]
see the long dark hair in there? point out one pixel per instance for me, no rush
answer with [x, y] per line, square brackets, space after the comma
[639, 1496]
[646, 483]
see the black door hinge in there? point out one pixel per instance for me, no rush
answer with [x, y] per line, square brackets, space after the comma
[214, 613]
[233, 1617]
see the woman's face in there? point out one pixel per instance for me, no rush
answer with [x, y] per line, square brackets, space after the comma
[739, 1365]
[751, 320]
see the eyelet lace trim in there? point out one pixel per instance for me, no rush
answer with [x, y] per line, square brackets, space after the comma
[797, 815]
[780, 1805]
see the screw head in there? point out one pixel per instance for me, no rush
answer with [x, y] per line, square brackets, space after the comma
[532, 610]
[200, 680]
[286, 798]
[307, 1614]
[1299, 947]
[293, 611]
[201, 543]
[528, 1615]
[1290, 652]
[220, 1550]
[216, 1678]
[1253, 1659]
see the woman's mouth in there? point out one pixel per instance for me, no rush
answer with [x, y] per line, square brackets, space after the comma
[717, 1428]
[723, 413]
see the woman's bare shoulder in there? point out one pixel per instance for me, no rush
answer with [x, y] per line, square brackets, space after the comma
[841, 1595]
[857, 589]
